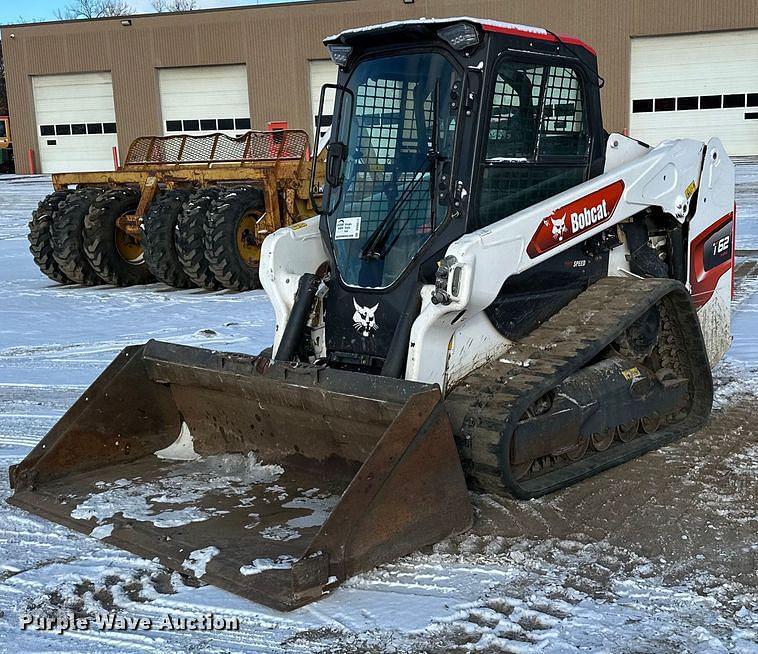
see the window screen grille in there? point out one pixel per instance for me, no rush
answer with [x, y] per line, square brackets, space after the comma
[538, 142]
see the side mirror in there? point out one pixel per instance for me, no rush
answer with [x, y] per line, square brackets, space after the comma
[336, 155]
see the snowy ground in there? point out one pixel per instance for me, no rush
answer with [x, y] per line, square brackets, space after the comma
[657, 556]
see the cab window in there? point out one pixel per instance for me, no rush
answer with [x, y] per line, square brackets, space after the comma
[537, 139]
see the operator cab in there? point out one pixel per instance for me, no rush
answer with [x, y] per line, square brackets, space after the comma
[439, 128]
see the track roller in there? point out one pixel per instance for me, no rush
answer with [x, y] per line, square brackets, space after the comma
[159, 228]
[626, 371]
[113, 253]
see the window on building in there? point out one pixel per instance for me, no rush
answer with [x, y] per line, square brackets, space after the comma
[734, 100]
[78, 129]
[752, 99]
[686, 103]
[208, 124]
[225, 124]
[173, 125]
[109, 128]
[665, 104]
[94, 128]
[710, 102]
[47, 130]
[642, 106]
[191, 125]
[241, 123]
[63, 130]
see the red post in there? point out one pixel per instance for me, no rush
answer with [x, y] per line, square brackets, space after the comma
[115, 158]
[30, 156]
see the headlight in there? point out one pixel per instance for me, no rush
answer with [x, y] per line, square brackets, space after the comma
[340, 53]
[460, 36]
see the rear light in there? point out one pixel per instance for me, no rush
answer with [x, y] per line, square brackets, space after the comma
[459, 36]
[340, 54]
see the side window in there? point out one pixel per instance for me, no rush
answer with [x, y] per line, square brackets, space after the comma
[537, 141]
[563, 130]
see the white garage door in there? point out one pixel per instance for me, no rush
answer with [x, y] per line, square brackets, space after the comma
[204, 99]
[322, 71]
[696, 86]
[76, 121]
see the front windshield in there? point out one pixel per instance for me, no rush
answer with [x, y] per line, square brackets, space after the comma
[400, 134]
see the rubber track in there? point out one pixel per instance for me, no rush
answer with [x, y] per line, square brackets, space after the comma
[490, 402]
[41, 234]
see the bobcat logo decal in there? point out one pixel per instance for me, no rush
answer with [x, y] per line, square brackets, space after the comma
[364, 319]
[559, 227]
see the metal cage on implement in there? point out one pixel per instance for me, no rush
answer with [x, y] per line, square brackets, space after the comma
[218, 149]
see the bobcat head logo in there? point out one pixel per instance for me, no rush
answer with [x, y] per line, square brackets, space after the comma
[364, 320]
[559, 227]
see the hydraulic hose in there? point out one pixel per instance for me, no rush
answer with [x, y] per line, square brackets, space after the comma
[394, 364]
[307, 286]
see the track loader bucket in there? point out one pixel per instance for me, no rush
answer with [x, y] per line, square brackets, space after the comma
[270, 480]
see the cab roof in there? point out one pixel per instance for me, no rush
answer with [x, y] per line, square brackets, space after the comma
[512, 29]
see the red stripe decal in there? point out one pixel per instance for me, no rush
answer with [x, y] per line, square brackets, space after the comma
[575, 218]
[501, 29]
[711, 255]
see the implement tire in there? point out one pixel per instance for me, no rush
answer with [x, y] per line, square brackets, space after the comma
[231, 245]
[115, 256]
[158, 239]
[190, 238]
[41, 235]
[68, 237]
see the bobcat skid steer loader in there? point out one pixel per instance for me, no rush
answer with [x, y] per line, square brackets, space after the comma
[496, 293]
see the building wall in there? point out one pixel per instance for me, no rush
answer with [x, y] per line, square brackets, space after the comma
[276, 42]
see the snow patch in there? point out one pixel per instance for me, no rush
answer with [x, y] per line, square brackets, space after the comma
[182, 449]
[524, 364]
[280, 532]
[514, 27]
[102, 531]
[186, 483]
[319, 506]
[198, 560]
[283, 562]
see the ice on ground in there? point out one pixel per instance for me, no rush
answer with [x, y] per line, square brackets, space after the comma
[320, 506]
[524, 364]
[283, 562]
[182, 449]
[198, 560]
[185, 482]
[280, 532]
[102, 531]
